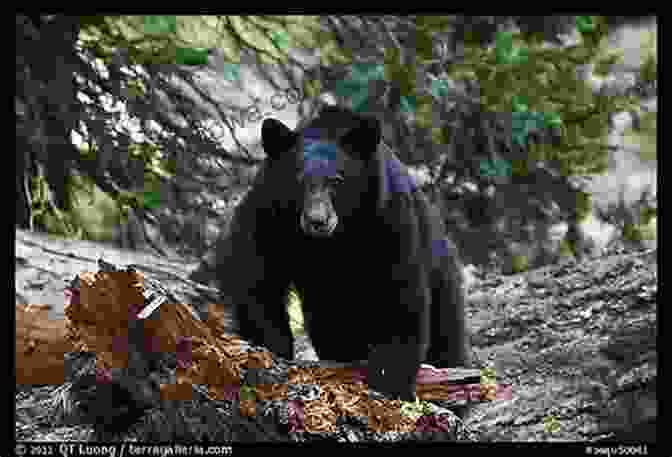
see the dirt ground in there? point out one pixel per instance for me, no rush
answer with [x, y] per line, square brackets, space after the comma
[576, 341]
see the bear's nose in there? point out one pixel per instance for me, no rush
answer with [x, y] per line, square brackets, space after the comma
[317, 221]
[318, 214]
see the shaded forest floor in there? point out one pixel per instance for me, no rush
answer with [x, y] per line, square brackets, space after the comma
[576, 341]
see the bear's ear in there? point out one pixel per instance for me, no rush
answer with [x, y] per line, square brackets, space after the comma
[363, 139]
[276, 138]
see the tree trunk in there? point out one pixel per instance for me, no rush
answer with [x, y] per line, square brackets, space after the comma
[46, 105]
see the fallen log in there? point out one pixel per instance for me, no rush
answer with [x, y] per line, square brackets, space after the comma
[40, 346]
[135, 360]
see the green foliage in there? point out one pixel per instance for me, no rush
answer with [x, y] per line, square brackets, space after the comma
[488, 375]
[519, 263]
[523, 123]
[248, 393]
[152, 157]
[643, 226]
[59, 223]
[541, 88]
[537, 84]
[135, 89]
[155, 167]
[185, 40]
[182, 40]
[592, 28]
[651, 229]
[189, 56]
[518, 74]
[648, 72]
[398, 71]
[507, 53]
[572, 244]
[645, 138]
[424, 44]
[605, 63]
[566, 249]
[160, 25]
[648, 214]
[151, 199]
[512, 68]
[47, 215]
[424, 112]
[585, 24]
[489, 380]
[356, 87]
[439, 88]
[416, 409]
[551, 424]
[231, 72]
[583, 206]
[92, 211]
[312, 88]
[331, 52]
[296, 321]
[495, 168]
[639, 232]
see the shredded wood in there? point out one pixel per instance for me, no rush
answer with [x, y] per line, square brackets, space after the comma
[102, 306]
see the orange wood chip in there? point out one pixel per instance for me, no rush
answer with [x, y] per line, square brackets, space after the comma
[96, 319]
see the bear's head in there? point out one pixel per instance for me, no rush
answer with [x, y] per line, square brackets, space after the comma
[339, 170]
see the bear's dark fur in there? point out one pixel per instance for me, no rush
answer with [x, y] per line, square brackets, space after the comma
[336, 214]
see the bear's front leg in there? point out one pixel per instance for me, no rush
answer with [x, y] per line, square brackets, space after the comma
[393, 368]
[264, 321]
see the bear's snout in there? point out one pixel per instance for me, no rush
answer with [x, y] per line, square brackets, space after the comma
[318, 220]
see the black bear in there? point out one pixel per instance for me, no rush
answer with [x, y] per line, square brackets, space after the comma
[335, 213]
